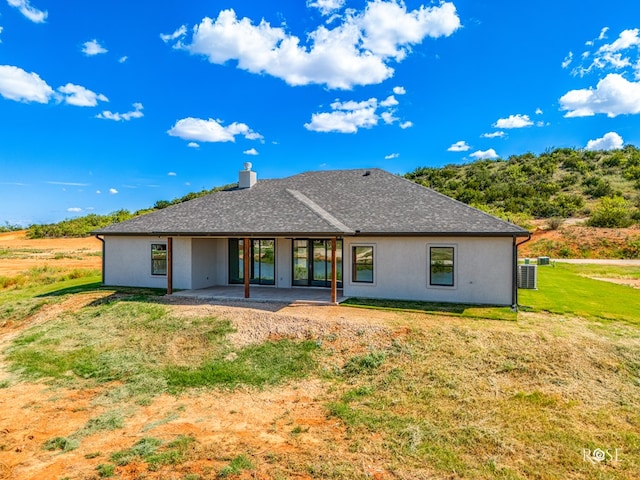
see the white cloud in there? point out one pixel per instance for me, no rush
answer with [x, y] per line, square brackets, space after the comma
[613, 96]
[498, 134]
[399, 90]
[460, 146]
[567, 60]
[0, 32]
[484, 155]
[388, 117]
[98, 192]
[179, 33]
[113, 191]
[350, 116]
[80, 96]
[123, 59]
[619, 55]
[514, 121]
[32, 13]
[390, 101]
[627, 39]
[326, 7]
[172, 174]
[603, 33]
[346, 117]
[193, 145]
[391, 156]
[69, 184]
[356, 52]
[74, 209]
[610, 141]
[211, 130]
[389, 29]
[18, 85]
[93, 47]
[539, 111]
[251, 151]
[405, 125]
[117, 117]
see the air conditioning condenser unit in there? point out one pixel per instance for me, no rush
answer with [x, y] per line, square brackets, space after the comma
[528, 276]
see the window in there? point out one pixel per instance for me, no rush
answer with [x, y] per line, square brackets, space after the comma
[158, 259]
[262, 254]
[362, 264]
[441, 268]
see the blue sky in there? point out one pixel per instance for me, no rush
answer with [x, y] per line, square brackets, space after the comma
[115, 104]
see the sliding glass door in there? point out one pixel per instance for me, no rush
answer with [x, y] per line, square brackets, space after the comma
[262, 254]
[312, 262]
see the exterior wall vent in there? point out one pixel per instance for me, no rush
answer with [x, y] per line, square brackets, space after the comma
[247, 178]
[528, 277]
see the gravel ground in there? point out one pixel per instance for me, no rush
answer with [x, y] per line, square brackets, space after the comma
[257, 322]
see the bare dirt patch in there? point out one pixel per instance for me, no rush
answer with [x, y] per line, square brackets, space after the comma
[574, 240]
[19, 253]
[630, 282]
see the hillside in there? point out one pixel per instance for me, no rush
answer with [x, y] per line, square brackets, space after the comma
[559, 183]
[601, 186]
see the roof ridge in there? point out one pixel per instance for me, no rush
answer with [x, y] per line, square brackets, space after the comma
[321, 212]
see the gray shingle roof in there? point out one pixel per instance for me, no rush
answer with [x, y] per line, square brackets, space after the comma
[340, 202]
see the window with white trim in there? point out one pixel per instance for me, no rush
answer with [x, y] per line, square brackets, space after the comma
[442, 265]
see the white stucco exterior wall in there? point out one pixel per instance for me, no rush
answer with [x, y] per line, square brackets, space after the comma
[128, 262]
[209, 262]
[483, 266]
[483, 269]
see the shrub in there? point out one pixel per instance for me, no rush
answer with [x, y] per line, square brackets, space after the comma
[612, 212]
[555, 223]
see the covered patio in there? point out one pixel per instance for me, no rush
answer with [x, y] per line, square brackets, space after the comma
[316, 296]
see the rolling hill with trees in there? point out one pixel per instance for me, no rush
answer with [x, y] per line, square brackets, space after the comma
[561, 183]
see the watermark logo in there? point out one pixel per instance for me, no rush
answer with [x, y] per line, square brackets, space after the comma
[599, 455]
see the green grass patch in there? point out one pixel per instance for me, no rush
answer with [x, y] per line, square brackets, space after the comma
[565, 290]
[45, 275]
[61, 443]
[106, 470]
[435, 308]
[155, 452]
[237, 466]
[269, 363]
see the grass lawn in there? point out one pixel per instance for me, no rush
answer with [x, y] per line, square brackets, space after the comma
[565, 289]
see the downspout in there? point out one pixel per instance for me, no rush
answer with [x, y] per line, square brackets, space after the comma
[103, 253]
[514, 292]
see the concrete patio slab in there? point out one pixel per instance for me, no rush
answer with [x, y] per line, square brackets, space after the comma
[318, 296]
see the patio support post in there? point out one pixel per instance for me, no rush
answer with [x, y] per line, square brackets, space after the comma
[334, 272]
[247, 266]
[169, 265]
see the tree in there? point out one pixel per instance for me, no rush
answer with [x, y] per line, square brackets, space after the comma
[612, 212]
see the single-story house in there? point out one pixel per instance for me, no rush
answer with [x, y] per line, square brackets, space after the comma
[366, 232]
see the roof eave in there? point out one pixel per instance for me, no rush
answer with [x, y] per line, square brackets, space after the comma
[522, 233]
